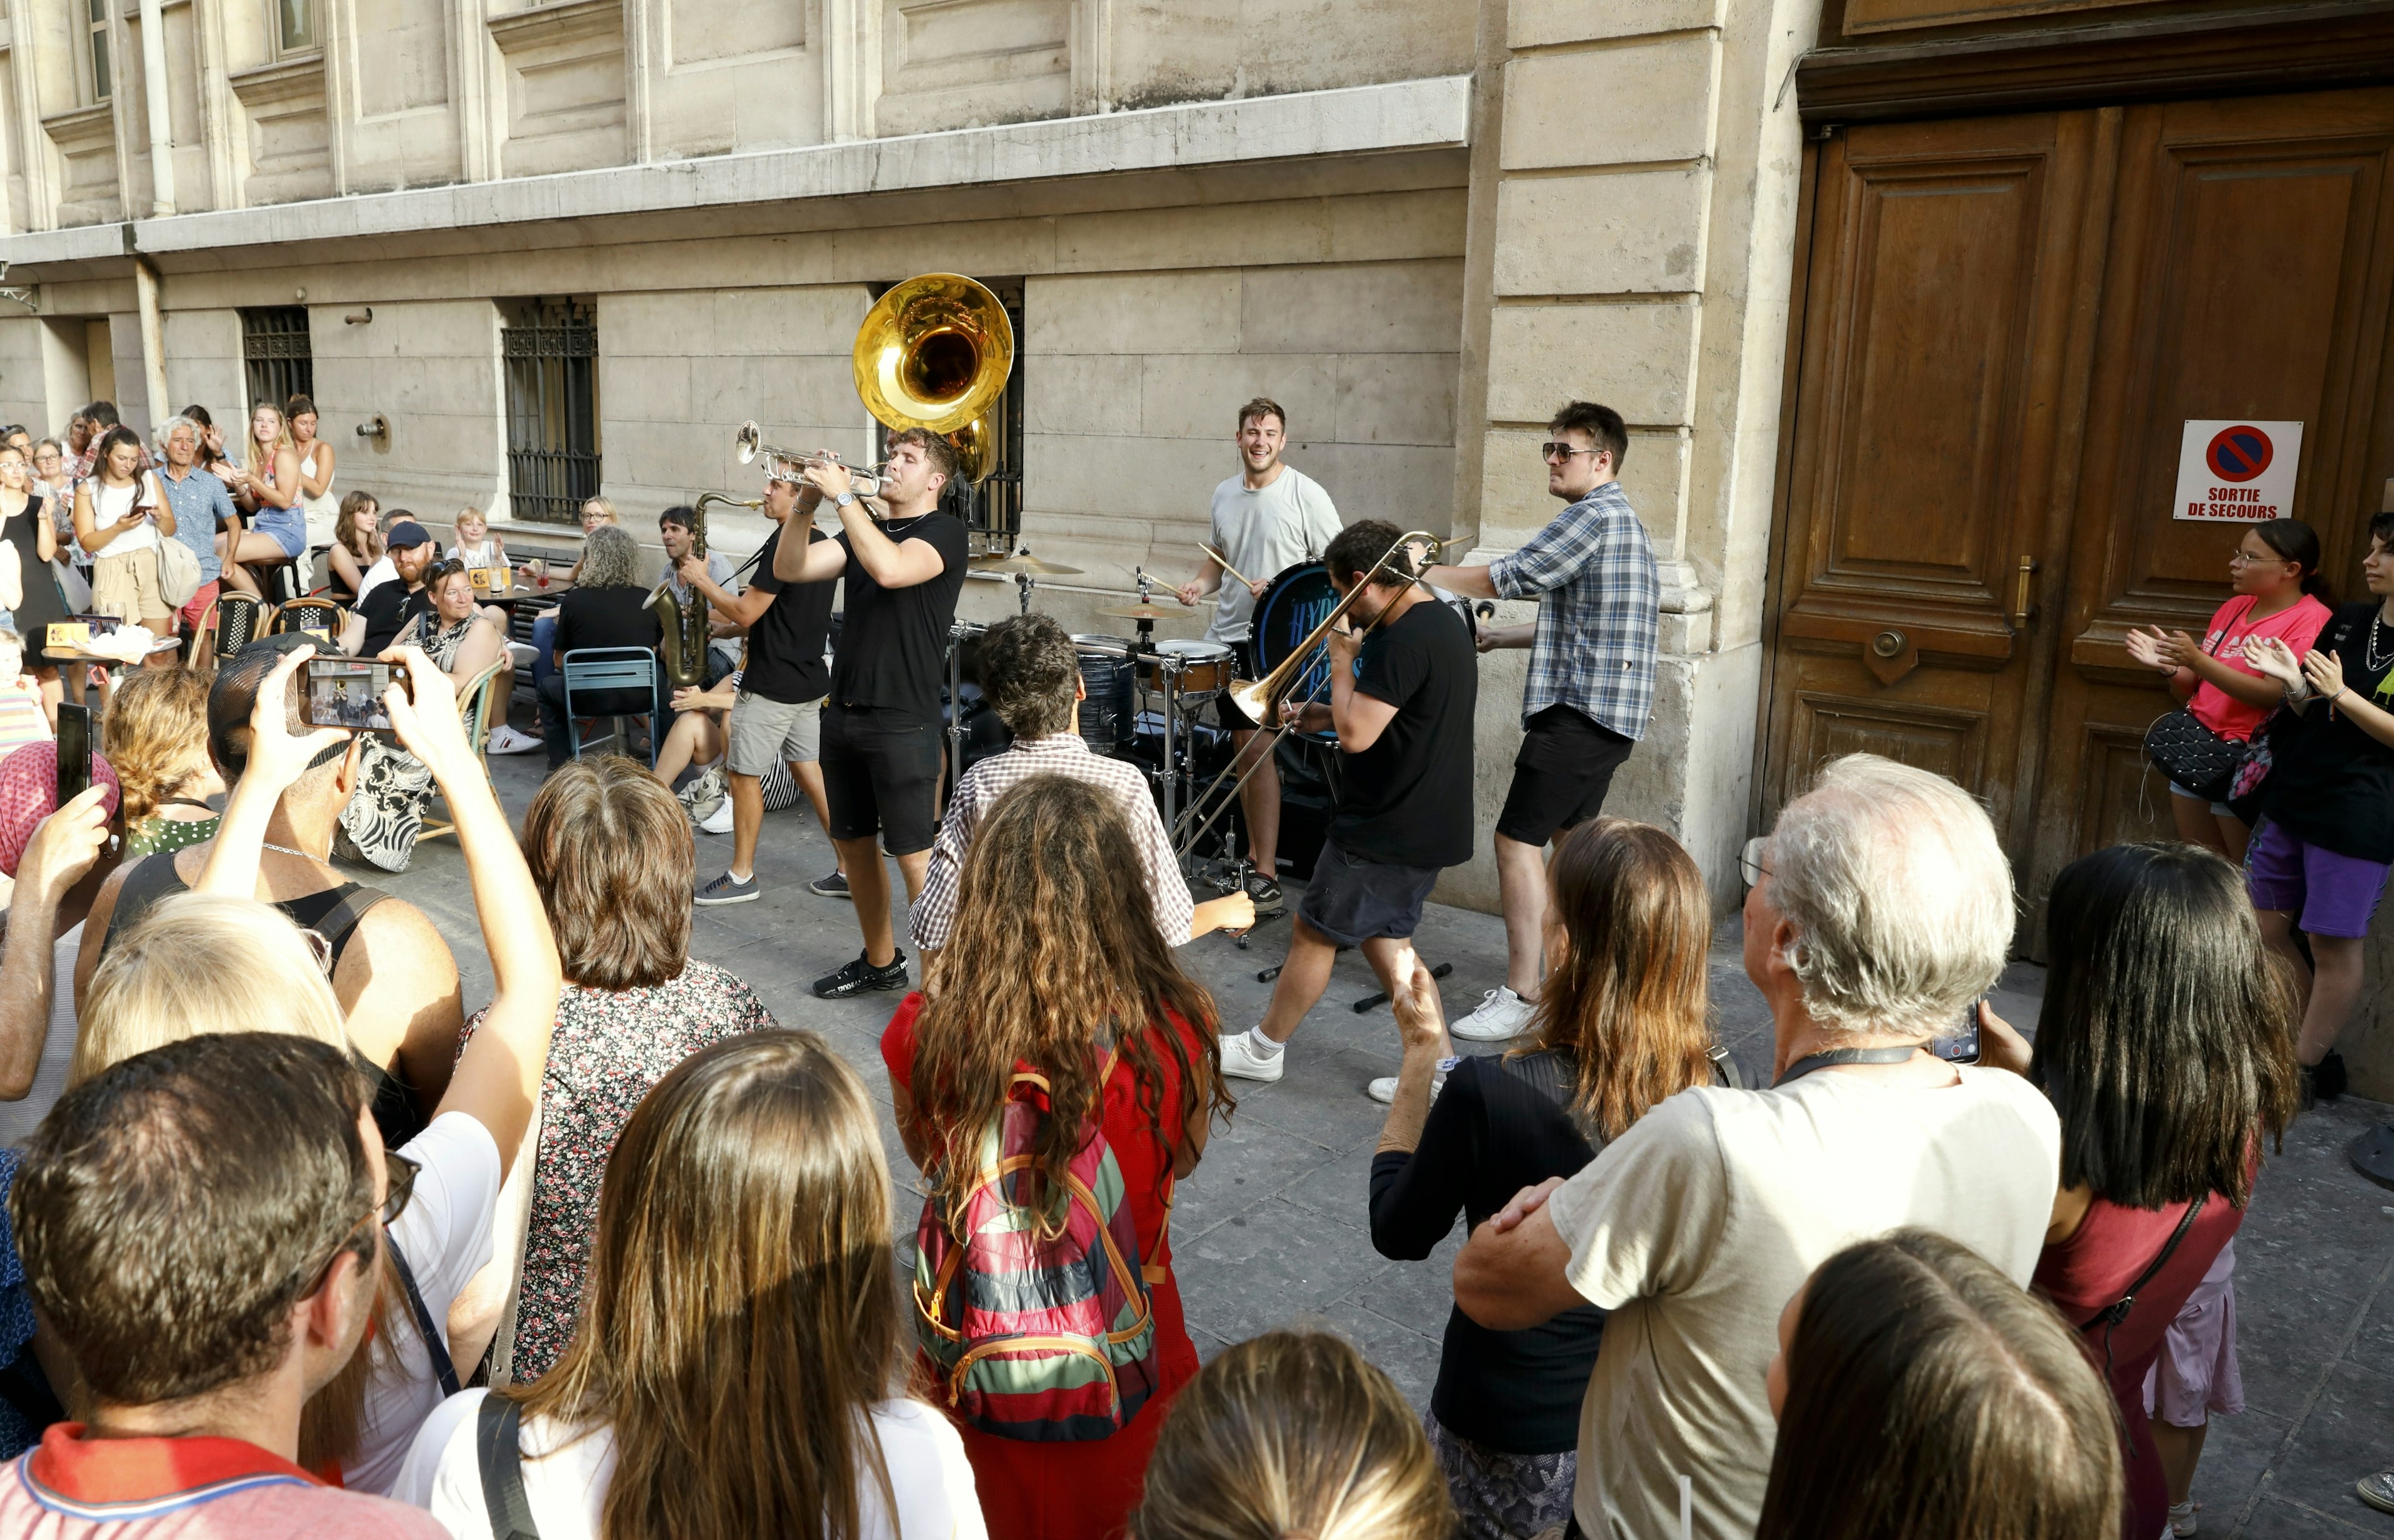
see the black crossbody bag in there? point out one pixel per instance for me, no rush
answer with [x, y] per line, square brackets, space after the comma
[2118, 1309]
[2189, 753]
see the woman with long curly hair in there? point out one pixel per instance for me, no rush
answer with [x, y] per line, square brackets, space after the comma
[1621, 1022]
[1055, 968]
[156, 737]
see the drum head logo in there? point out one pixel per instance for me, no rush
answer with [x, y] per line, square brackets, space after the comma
[2238, 453]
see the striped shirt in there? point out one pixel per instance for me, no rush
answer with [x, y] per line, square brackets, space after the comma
[1063, 754]
[1601, 618]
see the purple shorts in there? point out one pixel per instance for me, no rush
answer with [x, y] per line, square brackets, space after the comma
[2332, 895]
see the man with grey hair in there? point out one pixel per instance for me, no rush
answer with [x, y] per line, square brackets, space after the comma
[1878, 911]
[203, 512]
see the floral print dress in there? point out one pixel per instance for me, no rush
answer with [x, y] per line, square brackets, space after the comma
[610, 1049]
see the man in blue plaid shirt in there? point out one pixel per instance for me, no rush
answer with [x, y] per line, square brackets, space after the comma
[1591, 680]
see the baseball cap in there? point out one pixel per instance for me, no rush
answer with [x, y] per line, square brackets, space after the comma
[29, 793]
[407, 531]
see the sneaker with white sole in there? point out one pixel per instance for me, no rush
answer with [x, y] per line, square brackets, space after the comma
[1384, 1089]
[719, 822]
[728, 889]
[1502, 1016]
[2378, 1490]
[507, 740]
[1240, 1060]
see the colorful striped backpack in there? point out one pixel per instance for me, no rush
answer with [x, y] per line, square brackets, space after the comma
[1046, 1339]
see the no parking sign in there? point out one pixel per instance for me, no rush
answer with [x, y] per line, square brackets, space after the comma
[2235, 470]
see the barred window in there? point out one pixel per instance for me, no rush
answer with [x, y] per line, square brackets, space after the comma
[550, 349]
[275, 355]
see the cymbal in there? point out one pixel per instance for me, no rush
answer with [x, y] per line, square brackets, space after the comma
[1150, 612]
[1023, 563]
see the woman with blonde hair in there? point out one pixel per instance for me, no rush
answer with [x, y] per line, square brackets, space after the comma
[1292, 1433]
[1057, 994]
[1621, 1022]
[357, 542]
[156, 735]
[218, 960]
[267, 487]
[736, 1369]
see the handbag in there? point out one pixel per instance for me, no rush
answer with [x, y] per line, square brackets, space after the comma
[2190, 753]
[179, 571]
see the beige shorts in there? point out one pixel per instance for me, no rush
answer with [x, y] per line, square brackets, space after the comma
[126, 586]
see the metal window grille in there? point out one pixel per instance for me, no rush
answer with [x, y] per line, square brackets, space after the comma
[992, 511]
[275, 355]
[552, 364]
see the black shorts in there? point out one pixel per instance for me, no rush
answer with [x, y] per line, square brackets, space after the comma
[1351, 901]
[1560, 776]
[1225, 712]
[881, 775]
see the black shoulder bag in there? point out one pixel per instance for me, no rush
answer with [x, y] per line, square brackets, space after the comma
[2118, 1309]
[2189, 753]
[501, 1459]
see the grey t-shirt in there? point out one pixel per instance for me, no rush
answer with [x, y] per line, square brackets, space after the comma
[1262, 532]
[1696, 1227]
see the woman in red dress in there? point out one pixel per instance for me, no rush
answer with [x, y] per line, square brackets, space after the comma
[1055, 949]
[2166, 1045]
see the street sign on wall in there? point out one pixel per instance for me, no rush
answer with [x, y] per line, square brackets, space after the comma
[2237, 471]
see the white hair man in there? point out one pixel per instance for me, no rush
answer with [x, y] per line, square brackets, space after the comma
[1879, 911]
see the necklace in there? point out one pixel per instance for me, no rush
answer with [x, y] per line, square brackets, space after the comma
[289, 851]
[2369, 649]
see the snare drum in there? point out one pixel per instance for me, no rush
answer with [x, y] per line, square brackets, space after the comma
[1108, 715]
[1204, 669]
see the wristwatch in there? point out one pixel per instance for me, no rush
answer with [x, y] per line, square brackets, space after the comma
[843, 499]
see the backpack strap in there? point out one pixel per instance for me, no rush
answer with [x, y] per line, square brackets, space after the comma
[1727, 1070]
[434, 1343]
[501, 1459]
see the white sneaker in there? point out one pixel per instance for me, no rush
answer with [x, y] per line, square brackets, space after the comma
[1502, 1016]
[719, 822]
[1240, 1059]
[505, 739]
[1384, 1089]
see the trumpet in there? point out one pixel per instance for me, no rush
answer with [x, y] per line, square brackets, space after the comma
[785, 465]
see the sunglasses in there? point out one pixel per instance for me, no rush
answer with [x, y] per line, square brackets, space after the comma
[1560, 452]
[403, 1172]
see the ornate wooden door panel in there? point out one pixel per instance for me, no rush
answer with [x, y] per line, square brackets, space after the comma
[2252, 256]
[1943, 279]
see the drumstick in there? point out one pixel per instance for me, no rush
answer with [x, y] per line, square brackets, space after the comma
[1226, 565]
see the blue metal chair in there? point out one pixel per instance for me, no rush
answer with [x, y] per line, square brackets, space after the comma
[616, 671]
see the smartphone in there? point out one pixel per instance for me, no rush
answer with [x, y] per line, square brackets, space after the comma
[1961, 1044]
[346, 692]
[75, 752]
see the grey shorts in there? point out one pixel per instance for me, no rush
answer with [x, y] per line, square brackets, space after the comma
[1352, 902]
[765, 733]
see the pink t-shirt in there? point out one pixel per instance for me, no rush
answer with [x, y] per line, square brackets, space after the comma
[2298, 625]
[69, 1487]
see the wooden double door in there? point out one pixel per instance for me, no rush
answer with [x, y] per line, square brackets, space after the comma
[2002, 325]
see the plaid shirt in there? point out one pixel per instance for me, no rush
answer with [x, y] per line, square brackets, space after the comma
[1594, 650]
[1062, 754]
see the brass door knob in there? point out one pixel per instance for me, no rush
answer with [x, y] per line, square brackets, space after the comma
[1888, 644]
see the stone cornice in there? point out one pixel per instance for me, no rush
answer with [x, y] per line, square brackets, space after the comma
[1406, 115]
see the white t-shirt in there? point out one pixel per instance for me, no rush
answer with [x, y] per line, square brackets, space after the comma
[382, 572]
[565, 1479]
[111, 504]
[1262, 532]
[445, 1233]
[1696, 1227]
[19, 1119]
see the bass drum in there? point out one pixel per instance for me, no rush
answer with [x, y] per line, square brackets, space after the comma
[1293, 604]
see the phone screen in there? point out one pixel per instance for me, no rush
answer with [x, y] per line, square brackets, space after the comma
[346, 692]
[75, 752]
[1961, 1044]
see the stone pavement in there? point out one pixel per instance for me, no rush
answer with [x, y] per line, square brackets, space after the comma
[1272, 1228]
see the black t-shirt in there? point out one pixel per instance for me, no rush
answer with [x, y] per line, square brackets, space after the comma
[1406, 801]
[785, 645]
[614, 617]
[388, 608]
[893, 642]
[2330, 783]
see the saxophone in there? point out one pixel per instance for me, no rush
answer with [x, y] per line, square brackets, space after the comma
[685, 620]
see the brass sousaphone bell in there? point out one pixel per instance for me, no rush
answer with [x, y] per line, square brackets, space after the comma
[935, 352]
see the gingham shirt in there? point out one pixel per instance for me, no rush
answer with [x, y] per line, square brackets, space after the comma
[1062, 754]
[1594, 650]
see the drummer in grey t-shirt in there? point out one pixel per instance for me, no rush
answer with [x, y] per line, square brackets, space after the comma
[1268, 518]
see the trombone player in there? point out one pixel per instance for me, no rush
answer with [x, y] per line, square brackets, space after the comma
[1403, 688]
[904, 560]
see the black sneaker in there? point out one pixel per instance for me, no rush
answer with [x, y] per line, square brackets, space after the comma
[1267, 895]
[832, 887]
[860, 976]
[2328, 1079]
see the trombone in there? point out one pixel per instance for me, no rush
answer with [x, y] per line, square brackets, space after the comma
[1261, 698]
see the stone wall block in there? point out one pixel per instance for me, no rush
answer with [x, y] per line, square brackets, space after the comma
[1165, 312]
[1514, 502]
[1395, 227]
[1626, 232]
[398, 331]
[1538, 23]
[1641, 101]
[1198, 395]
[1638, 359]
[1367, 307]
[1246, 235]
[1411, 487]
[1395, 398]
[1170, 478]
[1084, 393]
[646, 389]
